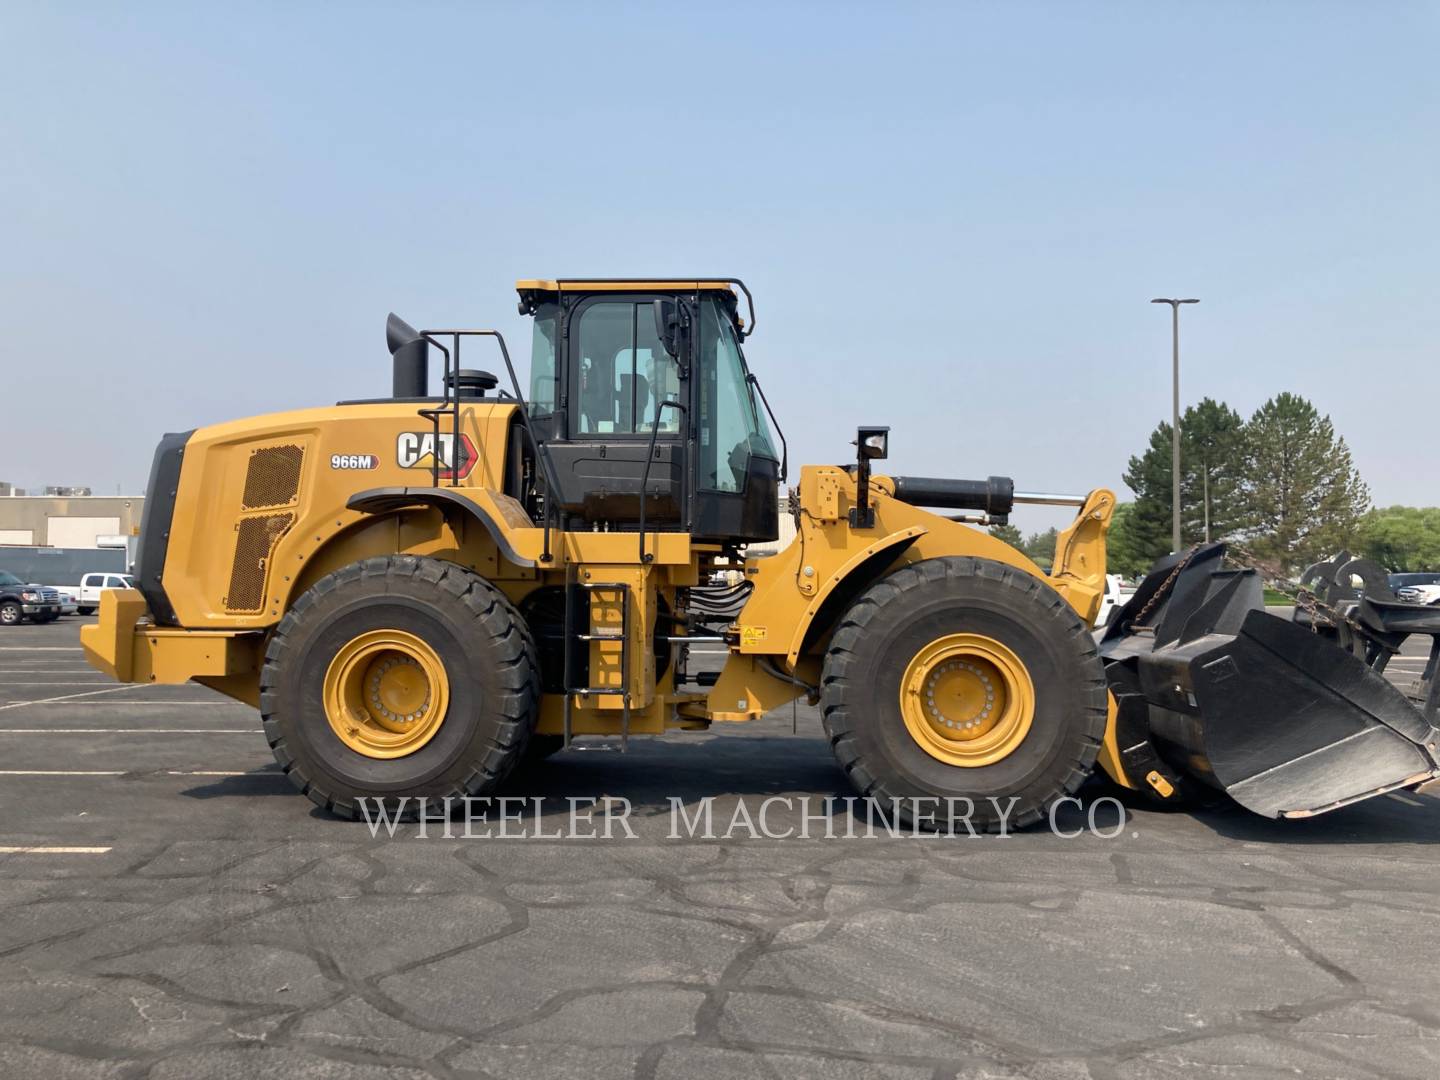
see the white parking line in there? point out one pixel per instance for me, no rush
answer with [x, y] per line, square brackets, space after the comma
[120, 772]
[206, 704]
[39, 648]
[68, 697]
[128, 731]
[53, 850]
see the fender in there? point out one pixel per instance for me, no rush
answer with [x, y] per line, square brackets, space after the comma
[388, 499]
[857, 573]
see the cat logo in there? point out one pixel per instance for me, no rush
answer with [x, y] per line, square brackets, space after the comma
[423, 449]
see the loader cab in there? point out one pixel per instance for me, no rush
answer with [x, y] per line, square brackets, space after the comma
[622, 373]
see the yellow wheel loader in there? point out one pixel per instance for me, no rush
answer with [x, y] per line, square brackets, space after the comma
[421, 590]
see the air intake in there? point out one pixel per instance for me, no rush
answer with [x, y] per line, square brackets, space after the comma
[255, 540]
[272, 483]
[273, 478]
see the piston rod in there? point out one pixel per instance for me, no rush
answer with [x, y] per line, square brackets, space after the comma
[1043, 498]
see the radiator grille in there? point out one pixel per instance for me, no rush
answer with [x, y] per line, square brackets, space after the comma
[255, 539]
[273, 478]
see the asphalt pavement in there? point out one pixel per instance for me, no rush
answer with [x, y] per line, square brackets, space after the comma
[171, 908]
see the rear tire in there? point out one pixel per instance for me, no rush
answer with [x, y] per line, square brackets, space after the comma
[84, 611]
[478, 647]
[1036, 636]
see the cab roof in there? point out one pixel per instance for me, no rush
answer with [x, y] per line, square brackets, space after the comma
[556, 285]
[531, 289]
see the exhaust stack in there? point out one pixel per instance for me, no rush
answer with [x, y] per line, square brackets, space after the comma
[410, 353]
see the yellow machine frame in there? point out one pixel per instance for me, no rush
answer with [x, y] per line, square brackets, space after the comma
[777, 640]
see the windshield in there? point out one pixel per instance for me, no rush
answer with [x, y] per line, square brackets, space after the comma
[732, 428]
[9, 579]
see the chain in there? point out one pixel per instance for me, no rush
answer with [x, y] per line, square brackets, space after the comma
[1138, 623]
[1305, 599]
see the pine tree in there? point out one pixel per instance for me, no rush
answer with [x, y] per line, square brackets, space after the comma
[1009, 533]
[1212, 458]
[1305, 497]
[1040, 547]
[1149, 477]
[1124, 554]
[1212, 472]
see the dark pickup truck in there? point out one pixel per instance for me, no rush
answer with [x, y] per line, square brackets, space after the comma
[19, 601]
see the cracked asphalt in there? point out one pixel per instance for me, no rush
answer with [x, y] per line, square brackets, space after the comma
[172, 909]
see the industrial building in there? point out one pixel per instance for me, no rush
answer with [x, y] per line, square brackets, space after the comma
[68, 521]
[56, 538]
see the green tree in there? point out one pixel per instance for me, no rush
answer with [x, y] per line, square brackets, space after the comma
[1040, 547]
[1009, 533]
[1212, 459]
[1305, 497]
[1212, 472]
[1148, 476]
[1402, 537]
[1124, 552]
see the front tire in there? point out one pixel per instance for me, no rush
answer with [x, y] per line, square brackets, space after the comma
[11, 613]
[958, 684]
[395, 678]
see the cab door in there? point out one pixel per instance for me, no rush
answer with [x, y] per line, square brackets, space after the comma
[617, 380]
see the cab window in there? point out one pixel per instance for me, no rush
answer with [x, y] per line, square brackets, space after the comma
[621, 372]
[731, 427]
[544, 379]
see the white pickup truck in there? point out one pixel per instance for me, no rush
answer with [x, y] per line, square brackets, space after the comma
[87, 599]
[1416, 588]
[1116, 594]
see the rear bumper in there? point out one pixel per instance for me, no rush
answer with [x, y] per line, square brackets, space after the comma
[126, 645]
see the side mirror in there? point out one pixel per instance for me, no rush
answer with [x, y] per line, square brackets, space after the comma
[670, 326]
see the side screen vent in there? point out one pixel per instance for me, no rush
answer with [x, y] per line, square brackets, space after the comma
[255, 540]
[273, 478]
[272, 483]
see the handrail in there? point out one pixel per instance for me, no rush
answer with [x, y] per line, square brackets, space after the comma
[660, 406]
[542, 452]
[446, 405]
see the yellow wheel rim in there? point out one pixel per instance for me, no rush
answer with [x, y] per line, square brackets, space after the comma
[967, 700]
[386, 693]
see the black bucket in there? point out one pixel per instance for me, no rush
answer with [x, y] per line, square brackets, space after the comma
[1281, 719]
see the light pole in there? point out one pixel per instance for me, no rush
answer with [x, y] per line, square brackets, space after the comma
[1175, 417]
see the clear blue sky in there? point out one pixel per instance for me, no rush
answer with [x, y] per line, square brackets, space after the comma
[952, 216]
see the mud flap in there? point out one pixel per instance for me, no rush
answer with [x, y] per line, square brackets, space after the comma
[1283, 720]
